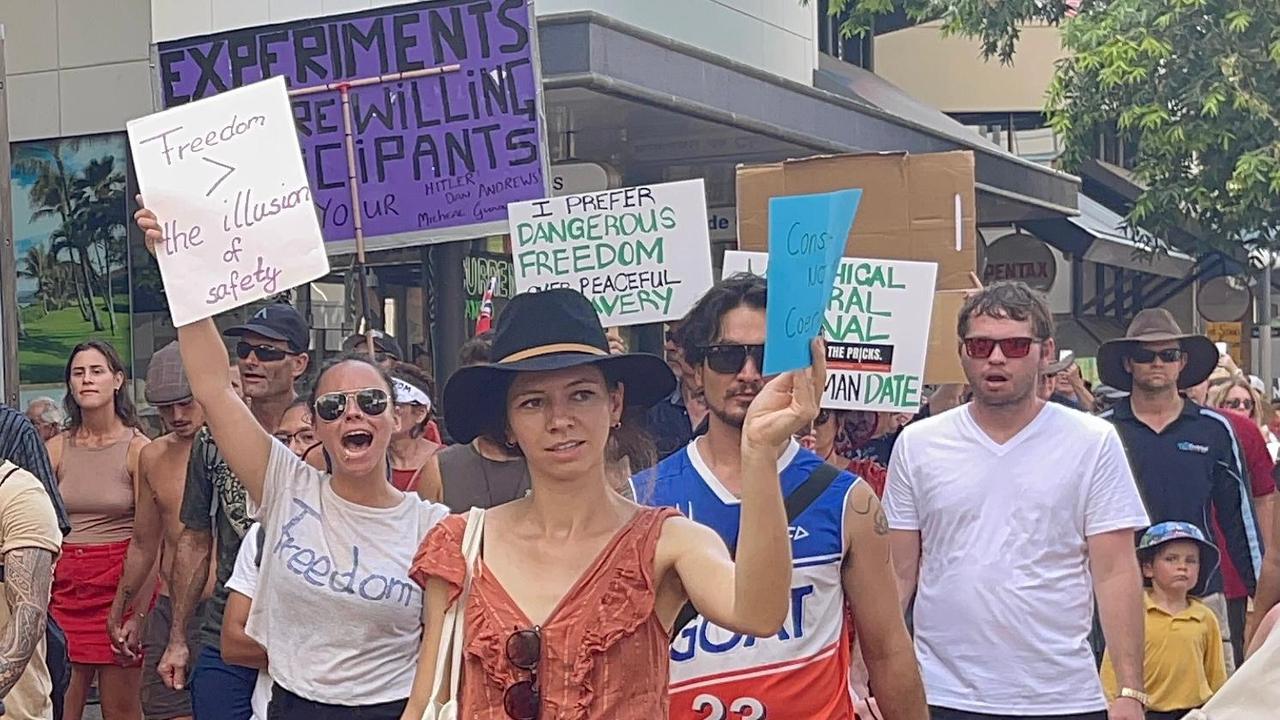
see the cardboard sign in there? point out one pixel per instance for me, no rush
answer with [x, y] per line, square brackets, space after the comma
[914, 207]
[438, 157]
[225, 177]
[1229, 333]
[876, 326]
[640, 254]
[806, 240]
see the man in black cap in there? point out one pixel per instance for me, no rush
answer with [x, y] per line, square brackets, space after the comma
[386, 351]
[271, 349]
[1185, 457]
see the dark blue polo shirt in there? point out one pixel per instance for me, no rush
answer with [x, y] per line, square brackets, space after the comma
[1189, 470]
[668, 424]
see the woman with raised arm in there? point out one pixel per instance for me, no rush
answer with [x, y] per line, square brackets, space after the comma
[334, 608]
[576, 587]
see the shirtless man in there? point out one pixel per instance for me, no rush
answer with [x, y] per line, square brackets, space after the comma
[162, 478]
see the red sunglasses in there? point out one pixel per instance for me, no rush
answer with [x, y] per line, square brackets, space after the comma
[1012, 348]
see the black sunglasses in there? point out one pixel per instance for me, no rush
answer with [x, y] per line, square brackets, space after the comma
[523, 700]
[1012, 348]
[265, 353]
[730, 359]
[371, 401]
[1143, 356]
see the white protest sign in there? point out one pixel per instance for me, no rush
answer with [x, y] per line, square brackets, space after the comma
[876, 326]
[640, 254]
[225, 177]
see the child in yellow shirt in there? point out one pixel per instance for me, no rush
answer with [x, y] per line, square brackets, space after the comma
[1183, 665]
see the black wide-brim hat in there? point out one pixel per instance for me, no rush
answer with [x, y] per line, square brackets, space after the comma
[542, 331]
[1156, 325]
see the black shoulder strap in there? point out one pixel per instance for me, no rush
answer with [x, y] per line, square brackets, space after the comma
[802, 497]
[12, 470]
[799, 500]
[262, 540]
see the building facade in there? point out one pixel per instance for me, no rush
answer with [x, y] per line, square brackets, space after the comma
[631, 93]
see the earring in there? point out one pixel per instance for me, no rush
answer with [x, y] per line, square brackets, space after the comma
[617, 425]
[510, 444]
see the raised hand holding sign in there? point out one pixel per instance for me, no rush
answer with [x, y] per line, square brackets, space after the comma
[226, 174]
[806, 239]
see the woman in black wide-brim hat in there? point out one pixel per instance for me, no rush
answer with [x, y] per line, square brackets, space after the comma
[572, 599]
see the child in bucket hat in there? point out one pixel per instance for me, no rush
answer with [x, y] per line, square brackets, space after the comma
[1183, 663]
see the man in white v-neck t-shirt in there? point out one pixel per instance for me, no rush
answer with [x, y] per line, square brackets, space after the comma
[1008, 516]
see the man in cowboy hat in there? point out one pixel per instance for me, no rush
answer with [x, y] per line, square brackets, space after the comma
[1185, 457]
[1066, 385]
[1051, 388]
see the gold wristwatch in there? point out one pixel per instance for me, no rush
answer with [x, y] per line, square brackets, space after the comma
[1134, 695]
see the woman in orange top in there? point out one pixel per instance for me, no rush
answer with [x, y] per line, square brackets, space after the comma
[576, 589]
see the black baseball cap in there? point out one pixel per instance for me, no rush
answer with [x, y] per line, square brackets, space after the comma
[382, 343]
[278, 322]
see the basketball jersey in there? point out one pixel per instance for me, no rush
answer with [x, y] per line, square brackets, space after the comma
[802, 672]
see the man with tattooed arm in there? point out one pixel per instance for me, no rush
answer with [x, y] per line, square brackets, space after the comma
[30, 540]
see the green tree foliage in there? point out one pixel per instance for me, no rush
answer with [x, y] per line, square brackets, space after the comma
[1193, 84]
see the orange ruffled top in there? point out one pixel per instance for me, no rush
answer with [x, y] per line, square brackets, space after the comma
[605, 654]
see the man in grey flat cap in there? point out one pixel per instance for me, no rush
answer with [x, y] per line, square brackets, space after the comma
[162, 478]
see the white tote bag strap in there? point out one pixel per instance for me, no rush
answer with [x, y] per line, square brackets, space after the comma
[449, 649]
[471, 551]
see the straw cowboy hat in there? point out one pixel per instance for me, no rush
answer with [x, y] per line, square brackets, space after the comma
[539, 331]
[1151, 326]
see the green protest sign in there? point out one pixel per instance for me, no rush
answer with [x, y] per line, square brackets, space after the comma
[640, 254]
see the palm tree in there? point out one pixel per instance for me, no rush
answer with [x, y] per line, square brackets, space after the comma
[52, 195]
[51, 277]
[99, 212]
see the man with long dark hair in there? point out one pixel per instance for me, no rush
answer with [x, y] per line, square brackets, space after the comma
[839, 546]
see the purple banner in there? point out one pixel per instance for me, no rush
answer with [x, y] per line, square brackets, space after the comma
[432, 153]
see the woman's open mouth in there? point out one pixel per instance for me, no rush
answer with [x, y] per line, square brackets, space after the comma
[357, 441]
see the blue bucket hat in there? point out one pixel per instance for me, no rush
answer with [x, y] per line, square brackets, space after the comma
[1165, 532]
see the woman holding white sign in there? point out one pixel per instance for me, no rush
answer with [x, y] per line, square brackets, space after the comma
[568, 595]
[334, 608]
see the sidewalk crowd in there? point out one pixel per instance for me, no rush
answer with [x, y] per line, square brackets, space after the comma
[676, 537]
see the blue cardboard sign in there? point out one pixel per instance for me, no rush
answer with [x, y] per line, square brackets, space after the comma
[806, 241]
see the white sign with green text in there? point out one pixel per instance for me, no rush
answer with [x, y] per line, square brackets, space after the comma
[640, 254]
[876, 327]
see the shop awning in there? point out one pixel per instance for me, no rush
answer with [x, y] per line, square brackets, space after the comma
[1098, 235]
[597, 71]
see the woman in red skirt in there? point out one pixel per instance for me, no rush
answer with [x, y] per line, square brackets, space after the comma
[96, 459]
